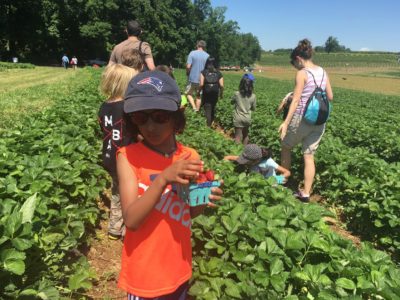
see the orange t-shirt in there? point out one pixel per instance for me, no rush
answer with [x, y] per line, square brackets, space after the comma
[157, 258]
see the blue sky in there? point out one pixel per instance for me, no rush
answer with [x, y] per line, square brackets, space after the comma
[357, 24]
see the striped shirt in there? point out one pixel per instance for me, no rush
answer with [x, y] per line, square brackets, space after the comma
[320, 76]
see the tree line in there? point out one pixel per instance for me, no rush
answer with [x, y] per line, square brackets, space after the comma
[331, 45]
[42, 31]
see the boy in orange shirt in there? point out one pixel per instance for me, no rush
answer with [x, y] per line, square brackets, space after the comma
[157, 253]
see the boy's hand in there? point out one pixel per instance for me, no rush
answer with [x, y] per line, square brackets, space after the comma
[182, 170]
[216, 194]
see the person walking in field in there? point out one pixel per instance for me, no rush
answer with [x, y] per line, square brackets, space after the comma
[157, 253]
[74, 62]
[212, 88]
[115, 131]
[295, 130]
[65, 61]
[133, 30]
[244, 101]
[194, 65]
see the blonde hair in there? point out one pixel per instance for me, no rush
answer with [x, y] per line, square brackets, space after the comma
[115, 80]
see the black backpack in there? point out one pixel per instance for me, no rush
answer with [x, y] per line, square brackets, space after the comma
[318, 106]
[211, 82]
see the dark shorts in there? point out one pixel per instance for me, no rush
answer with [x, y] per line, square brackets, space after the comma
[179, 294]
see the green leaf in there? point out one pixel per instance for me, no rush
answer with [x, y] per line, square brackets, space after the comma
[272, 247]
[15, 266]
[294, 242]
[226, 221]
[199, 288]
[78, 281]
[211, 244]
[48, 293]
[21, 244]
[28, 208]
[232, 289]
[345, 283]
[279, 282]
[13, 261]
[28, 292]
[14, 222]
[303, 276]
[276, 266]
[364, 284]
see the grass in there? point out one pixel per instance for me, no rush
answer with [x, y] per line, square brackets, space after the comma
[344, 59]
[27, 91]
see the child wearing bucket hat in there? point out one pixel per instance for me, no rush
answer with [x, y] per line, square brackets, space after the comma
[157, 252]
[258, 159]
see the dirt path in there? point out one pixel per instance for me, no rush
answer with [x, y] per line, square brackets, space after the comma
[371, 80]
[105, 258]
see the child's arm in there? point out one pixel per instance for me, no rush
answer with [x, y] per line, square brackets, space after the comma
[135, 209]
[201, 81]
[231, 157]
[254, 104]
[221, 87]
[285, 172]
[283, 102]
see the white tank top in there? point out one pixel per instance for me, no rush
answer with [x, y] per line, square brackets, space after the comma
[320, 79]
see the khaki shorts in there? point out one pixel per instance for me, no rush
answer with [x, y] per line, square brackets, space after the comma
[299, 131]
[191, 88]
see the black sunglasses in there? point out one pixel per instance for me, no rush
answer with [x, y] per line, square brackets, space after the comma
[158, 116]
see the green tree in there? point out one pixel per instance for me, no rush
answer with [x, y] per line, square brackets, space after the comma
[332, 45]
[41, 31]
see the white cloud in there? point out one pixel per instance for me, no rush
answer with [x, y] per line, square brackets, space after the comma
[365, 49]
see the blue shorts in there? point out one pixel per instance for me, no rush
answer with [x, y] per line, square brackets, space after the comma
[179, 294]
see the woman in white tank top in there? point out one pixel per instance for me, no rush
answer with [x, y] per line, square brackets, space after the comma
[294, 130]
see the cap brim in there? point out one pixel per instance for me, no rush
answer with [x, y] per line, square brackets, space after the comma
[242, 161]
[142, 103]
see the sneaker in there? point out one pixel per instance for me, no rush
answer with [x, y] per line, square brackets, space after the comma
[299, 195]
[114, 237]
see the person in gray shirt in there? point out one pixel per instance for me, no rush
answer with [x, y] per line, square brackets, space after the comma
[194, 65]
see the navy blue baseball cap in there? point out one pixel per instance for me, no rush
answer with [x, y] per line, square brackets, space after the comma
[152, 90]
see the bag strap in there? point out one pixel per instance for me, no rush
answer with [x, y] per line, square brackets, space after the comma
[322, 80]
[140, 48]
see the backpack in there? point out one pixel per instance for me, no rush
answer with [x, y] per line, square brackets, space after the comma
[318, 106]
[211, 82]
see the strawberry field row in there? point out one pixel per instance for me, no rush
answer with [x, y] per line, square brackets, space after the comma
[261, 243]
[354, 177]
[50, 180]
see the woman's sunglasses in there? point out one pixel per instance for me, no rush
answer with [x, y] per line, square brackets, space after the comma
[158, 116]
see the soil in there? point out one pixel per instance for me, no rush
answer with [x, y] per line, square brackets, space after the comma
[105, 258]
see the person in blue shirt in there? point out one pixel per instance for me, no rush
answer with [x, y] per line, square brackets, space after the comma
[65, 61]
[194, 65]
[258, 159]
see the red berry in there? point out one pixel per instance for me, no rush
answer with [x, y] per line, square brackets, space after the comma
[202, 177]
[210, 175]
